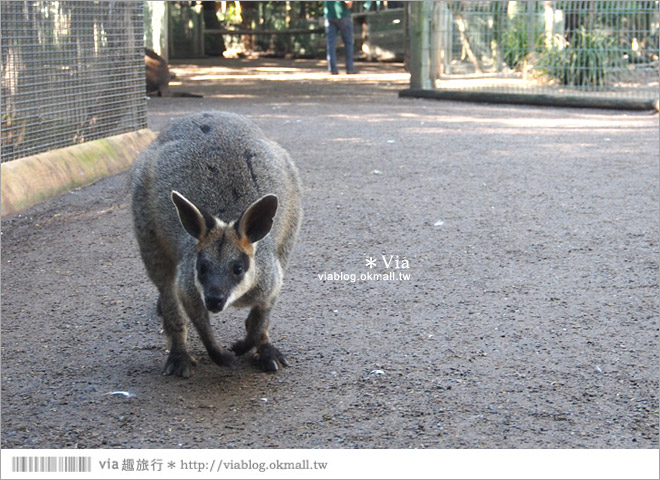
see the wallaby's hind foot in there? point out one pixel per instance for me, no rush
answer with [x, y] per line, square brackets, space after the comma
[270, 358]
[179, 363]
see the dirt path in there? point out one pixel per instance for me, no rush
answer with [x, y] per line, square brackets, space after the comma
[528, 316]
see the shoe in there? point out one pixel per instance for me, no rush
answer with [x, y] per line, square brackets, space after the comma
[353, 72]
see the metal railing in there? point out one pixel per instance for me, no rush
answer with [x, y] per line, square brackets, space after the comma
[71, 72]
[557, 49]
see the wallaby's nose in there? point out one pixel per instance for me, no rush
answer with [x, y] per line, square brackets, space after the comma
[215, 303]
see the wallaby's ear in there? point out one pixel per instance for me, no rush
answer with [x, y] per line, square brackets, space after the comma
[196, 222]
[257, 220]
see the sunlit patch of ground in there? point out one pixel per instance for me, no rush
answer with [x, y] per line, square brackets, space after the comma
[208, 76]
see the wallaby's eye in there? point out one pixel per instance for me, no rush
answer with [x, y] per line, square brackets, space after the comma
[237, 269]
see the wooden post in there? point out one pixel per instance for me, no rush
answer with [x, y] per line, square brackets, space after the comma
[197, 30]
[156, 27]
[406, 37]
[531, 26]
[434, 45]
[418, 15]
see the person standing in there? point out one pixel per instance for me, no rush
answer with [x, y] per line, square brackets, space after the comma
[338, 22]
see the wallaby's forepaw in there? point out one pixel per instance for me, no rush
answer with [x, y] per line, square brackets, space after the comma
[241, 347]
[270, 358]
[223, 357]
[180, 364]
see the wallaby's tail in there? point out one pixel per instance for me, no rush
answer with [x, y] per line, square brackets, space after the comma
[186, 94]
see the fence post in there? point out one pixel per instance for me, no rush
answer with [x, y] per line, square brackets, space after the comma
[420, 74]
[156, 28]
[531, 35]
[440, 40]
[434, 47]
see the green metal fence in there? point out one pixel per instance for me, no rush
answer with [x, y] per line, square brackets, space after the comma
[589, 51]
[71, 72]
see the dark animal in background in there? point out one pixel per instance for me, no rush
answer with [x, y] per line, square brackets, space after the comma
[159, 76]
[217, 209]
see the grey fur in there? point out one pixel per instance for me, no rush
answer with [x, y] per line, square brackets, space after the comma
[221, 164]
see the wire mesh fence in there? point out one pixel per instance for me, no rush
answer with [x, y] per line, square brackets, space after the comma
[71, 72]
[587, 48]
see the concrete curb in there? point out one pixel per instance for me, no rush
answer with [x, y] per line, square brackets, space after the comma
[532, 99]
[30, 180]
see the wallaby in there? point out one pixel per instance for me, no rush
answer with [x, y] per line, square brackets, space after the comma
[216, 207]
[159, 76]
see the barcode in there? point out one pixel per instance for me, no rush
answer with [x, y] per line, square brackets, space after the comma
[51, 464]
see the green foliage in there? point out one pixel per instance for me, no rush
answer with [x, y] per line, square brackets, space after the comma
[584, 55]
[585, 61]
[515, 39]
[515, 43]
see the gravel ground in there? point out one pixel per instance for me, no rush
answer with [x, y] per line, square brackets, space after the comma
[527, 316]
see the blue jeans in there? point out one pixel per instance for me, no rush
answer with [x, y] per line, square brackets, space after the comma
[344, 27]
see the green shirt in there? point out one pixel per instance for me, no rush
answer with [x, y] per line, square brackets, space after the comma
[335, 10]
